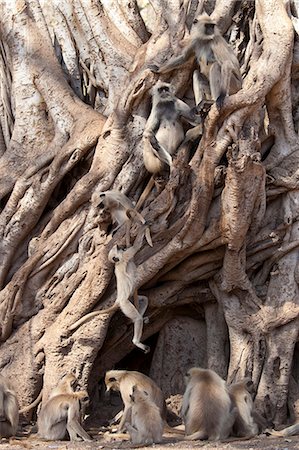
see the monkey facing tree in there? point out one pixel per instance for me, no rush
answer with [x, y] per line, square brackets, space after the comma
[216, 59]
[207, 408]
[9, 408]
[244, 424]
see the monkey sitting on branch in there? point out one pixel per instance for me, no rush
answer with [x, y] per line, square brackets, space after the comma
[125, 272]
[163, 132]
[9, 409]
[215, 57]
[146, 425]
[61, 413]
[207, 410]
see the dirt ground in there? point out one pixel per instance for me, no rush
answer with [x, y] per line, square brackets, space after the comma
[104, 440]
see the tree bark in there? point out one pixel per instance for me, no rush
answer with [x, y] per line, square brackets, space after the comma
[75, 96]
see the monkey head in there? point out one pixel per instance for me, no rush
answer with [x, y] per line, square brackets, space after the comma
[204, 27]
[112, 381]
[71, 380]
[162, 90]
[115, 254]
[138, 395]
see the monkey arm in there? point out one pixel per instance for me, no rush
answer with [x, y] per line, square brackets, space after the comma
[186, 112]
[130, 252]
[177, 61]
[152, 124]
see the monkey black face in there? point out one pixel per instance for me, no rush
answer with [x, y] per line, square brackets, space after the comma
[163, 89]
[209, 29]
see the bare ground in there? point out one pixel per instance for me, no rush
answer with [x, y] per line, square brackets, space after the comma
[105, 440]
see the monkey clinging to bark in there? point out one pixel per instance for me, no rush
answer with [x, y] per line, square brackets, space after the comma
[216, 60]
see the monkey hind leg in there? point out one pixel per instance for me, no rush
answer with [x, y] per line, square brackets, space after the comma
[142, 304]
[138, 328]
[200, 88]
[74, 429]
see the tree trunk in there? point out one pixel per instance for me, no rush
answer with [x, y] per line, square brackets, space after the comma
[75, 96]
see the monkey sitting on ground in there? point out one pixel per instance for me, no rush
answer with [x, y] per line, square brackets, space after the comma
[146, 425]
[61, 414]
[125, 272]
[244, 425]
[9, 409]
[207, 409]
[216, 59]
[164, 131]
[123, 381]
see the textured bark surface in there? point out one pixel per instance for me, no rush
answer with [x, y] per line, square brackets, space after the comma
[222, 275]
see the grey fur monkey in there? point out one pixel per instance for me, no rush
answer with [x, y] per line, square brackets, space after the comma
[125, 272]
[244, 425]
[123, 381]
[146, 425]
[164, 131]
[207, 409]
[216, 59]
[119, 206]
[9, 408]
[61, 413]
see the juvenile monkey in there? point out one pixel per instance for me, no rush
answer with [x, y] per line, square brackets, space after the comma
[9, 409]
[61, 414]
[163, 132]
[119, 206]
[207, 409]
[244, 425]
[216, 59]
[146, 425]
[125, 272]
[123, 381]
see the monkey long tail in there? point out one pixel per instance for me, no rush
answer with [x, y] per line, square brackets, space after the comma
[172, 430]
[289, 431]
[145, 193]
[33, 404]
[92, 314]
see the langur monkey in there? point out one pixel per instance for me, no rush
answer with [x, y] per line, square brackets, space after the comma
[125, 272]
[146, 425]
[123, 381]
[9, 409]
[244, 425]
[216, 59]
[120, 207]
[61, 413]
[163, 132]
[207, 409]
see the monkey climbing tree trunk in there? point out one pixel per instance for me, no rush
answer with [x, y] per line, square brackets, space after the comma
[75, 96]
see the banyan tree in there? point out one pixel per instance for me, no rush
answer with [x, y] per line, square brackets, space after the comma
[222, 274]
